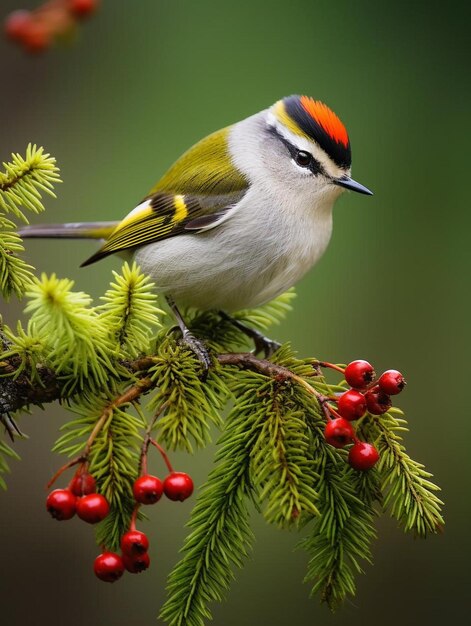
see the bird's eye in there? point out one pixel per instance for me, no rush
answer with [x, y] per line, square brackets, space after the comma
[302, 158]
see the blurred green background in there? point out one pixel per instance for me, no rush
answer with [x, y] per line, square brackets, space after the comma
[146, 80]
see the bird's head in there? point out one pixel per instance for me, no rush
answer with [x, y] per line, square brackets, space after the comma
[306, 148]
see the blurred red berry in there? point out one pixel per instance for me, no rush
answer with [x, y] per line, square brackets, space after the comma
[136, 564]
[377, 402]
[17, 23]
[37, 37]
[338, 432]
[392, 382]
[362, 456]
[61, 504]
[108, 567]
[178, 486]
[82, 484]
[147, 489]
[134, 543]
[83, 8]
[92, 508]
[351, 405]
[359, 374]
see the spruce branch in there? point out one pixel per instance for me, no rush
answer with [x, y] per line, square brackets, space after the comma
[24, 179]
[130, 312]
[15, 273]
[80, 351]
[340, 538]
[21, 187]
[408, 492]
[6, 453]
[111, 453]
[221, 535]
[192, 405]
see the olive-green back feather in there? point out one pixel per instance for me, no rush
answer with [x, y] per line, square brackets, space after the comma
[206, 168]
[193, 195]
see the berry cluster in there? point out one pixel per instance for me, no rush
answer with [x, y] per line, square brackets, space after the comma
[54, 20]
[134, 558]
[366, 394]
[80, 498]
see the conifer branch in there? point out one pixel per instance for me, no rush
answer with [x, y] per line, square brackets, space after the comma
[130, 311]
[340, 538]
[192, 404]
[79, 348]
[408, 493]
[221, 536]
[6, 453]
[24, 179]
[21, 186]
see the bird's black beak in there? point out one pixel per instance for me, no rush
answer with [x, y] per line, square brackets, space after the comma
[349, 183]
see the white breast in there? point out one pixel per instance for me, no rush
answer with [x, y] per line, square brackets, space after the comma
[250, 259]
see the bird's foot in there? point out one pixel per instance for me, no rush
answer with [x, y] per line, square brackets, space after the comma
[262, 344]
[199, 350]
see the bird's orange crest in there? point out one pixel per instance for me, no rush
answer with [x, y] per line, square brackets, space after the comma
[326, 118]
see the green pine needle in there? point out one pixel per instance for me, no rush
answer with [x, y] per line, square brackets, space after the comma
[25, 179]
[114, 458]
[409, 494]
[15, 274]
[221, 536]
[80, 349]
[6, 452]
[340, 539]
[29, 346]
[130, 312]
[193, 405]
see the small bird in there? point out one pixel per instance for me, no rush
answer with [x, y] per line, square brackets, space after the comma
[241, 216]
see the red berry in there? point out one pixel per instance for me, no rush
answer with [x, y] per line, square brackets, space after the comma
[17, 23]
[351, 405]
[92, 508]
[136, 564]
[338, 432]
[82, 484]
[134, 543]
[147, 489]
[377, 402]
[359, 374]
[392, 382]
[83, 8]
[108, 567]
[178, 486]
[37, 37]
[61, 504]
[362, 456]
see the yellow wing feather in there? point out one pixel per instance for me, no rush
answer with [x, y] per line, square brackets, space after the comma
[202, 183]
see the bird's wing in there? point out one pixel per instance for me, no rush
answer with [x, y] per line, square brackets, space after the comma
[199, 192]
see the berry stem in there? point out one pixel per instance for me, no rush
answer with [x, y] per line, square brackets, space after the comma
[132, 521]
[142, 468]
[331, 366]
[79, 459]
[332, 411]
[163, 453]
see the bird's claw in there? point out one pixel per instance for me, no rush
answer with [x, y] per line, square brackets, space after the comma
[199, 350]
[265, 345]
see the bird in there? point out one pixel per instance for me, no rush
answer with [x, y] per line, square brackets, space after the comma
[240, 217]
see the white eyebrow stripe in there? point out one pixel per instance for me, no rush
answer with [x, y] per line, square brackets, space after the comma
[303, 143]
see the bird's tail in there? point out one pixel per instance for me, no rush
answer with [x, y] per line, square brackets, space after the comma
[76, 230]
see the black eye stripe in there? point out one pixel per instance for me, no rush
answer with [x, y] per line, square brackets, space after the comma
[314, 166]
